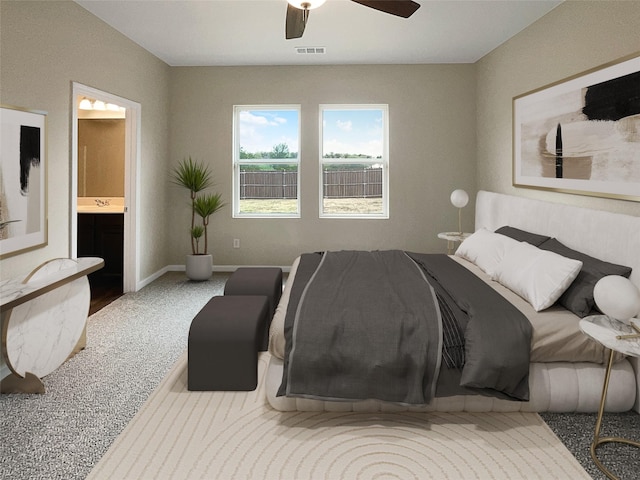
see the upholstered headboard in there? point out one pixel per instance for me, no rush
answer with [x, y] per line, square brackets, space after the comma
[609, 236]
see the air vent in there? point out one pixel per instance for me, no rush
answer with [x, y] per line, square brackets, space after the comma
[311, 50]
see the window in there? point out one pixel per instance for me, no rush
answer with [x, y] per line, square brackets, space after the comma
[354, 161]
[266, 161]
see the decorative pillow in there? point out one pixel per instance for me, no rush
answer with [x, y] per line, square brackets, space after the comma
[523, 236]
[538, 276]
[485, 249]
[579, 296]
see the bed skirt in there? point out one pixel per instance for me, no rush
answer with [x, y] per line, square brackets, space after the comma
[554, 387]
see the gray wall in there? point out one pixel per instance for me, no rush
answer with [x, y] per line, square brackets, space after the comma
[45, 46]
[574, 37]
[432, 152]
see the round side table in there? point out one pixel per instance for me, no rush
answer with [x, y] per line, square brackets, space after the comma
[452, 238]
[617, 337]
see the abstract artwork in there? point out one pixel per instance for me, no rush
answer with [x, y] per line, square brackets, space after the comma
[581, 135]
[22, 180]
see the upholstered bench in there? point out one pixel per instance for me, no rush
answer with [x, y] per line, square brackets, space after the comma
[223, 343]
[257, 281]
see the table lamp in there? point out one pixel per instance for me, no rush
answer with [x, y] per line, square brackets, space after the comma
[617, 298]
[459, 199]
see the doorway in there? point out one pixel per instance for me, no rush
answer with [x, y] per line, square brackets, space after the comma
[103, 213]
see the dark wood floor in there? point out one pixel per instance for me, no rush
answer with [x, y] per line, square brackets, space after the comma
[102, 294]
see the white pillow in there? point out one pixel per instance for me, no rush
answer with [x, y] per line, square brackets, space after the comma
[485, 249]
[538, 276]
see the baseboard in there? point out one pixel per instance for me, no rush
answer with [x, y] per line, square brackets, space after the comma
[143, 283]
[216, 268]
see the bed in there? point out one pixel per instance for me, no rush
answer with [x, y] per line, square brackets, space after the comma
[565, 369]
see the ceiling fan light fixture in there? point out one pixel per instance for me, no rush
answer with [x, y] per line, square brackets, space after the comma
[306, 4]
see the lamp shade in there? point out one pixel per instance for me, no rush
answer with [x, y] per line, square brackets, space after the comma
[459, 198]
[617, 297]
[306, 4]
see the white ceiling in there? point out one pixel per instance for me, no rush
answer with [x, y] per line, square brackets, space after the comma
[251, 32]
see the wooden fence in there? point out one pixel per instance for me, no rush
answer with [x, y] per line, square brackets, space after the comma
[268, 185]
[353, 183]
[337, 184]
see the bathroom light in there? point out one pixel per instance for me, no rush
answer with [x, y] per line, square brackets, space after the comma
[113, 107]
[617, 298]
[99, 105]
[85, 104]
[459, 199]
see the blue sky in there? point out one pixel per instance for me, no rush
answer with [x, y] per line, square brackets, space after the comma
[353, 131]
[356, 131]
[260, 130]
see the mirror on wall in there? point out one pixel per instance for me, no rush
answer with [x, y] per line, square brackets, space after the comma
[101, 149]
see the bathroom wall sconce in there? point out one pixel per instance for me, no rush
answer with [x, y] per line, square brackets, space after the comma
[90, 104]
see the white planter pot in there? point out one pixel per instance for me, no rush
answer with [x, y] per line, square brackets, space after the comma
[199, 267]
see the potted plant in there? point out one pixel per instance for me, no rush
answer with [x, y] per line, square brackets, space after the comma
[196, 177]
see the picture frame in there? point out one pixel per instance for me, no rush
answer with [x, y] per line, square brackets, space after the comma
[581, 135]
[23, 180]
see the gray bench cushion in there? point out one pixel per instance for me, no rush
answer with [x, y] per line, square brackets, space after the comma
[223, 344]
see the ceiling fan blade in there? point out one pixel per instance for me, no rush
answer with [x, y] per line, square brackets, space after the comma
[296, 20]
[400, 8]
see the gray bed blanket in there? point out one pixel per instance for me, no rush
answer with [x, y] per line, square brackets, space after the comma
[379, 346]
[496, 344]
[497, 334]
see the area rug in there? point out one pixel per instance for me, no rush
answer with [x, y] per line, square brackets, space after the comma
[179, 434]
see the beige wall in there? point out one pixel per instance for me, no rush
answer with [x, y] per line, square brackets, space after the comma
[436, 114]
[432, 152]
[574, 37]
[44, 47]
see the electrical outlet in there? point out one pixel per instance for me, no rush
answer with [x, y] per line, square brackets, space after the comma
[236, 243]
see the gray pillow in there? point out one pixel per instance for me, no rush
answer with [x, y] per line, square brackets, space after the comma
[579, 296]
[523, 236]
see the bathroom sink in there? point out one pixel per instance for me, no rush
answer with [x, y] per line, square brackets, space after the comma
[100, 205]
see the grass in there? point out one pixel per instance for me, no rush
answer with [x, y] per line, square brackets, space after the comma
[331, 205]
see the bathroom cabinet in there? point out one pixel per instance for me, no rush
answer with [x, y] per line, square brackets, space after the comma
[102, 235]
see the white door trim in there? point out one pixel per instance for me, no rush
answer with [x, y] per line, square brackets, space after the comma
[131, 270]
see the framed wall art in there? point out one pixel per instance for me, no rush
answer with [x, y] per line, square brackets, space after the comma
[581, 135]
[23, 180]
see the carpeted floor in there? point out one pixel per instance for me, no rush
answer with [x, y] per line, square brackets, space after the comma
[132, 344]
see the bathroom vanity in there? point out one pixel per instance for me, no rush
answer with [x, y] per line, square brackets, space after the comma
[100, 234]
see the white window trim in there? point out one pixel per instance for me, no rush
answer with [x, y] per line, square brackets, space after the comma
[385, 162]
[236, 161]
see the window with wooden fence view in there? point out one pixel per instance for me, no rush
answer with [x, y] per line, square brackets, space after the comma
[266, 161]
[354, 179]
[353, 166]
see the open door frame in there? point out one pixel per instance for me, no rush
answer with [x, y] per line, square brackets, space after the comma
[131, 266]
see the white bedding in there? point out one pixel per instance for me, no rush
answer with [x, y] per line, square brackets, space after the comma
[567, 369]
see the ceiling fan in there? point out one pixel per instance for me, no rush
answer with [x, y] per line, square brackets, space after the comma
[298, 12]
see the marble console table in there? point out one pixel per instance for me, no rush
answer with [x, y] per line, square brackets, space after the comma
[43, 320]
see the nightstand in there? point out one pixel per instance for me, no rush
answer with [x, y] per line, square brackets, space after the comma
[452, 238]
[617, 337]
